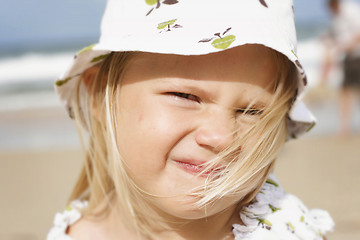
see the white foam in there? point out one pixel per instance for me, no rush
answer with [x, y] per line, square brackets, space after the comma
[28, 100]
[33, 67]
[311, 54]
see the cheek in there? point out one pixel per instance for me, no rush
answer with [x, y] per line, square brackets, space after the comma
[146, 135]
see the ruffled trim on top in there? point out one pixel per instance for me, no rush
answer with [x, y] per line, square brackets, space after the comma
[274, 214]
[63, 220]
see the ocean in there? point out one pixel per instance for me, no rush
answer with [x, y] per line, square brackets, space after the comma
[38, 39]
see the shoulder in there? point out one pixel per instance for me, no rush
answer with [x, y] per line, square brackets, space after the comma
[275, 214]
[64, 220]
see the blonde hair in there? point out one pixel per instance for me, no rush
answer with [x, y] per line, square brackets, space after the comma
[104, 178]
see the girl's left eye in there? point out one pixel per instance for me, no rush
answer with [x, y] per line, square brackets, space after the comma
[186, 96]
[250, 111]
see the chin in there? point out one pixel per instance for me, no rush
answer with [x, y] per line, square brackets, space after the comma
[185, 208]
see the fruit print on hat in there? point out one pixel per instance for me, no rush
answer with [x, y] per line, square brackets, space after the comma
[96, 59]
[302, 72]
[263, 3]
[222, 42]
[158, 4]
[169, 24]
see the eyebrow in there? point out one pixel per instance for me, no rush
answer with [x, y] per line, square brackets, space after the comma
[190, 87]
[257, 105]
[252, 105]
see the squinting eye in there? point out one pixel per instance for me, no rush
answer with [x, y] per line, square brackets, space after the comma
[186, 96]
[250, 111]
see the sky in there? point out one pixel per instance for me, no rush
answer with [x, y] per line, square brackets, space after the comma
[311, 10]
[27, 23]
[38, 23]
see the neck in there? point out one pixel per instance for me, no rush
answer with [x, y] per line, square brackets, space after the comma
[164, 226]
[218, 226]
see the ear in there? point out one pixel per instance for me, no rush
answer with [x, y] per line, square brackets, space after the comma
[88, 77]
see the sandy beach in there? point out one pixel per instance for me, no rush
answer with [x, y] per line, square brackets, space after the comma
[40, 154]
[35, 180]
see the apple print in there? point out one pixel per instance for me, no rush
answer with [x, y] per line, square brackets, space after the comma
[167, 24]
[85, 49]
[263, 3]
[59, 82]
[265, 223]
[158, 4]
[302, 72]
[290, 227]
[222, 42]
[152, 2]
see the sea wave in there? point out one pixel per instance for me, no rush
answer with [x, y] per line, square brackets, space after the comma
[34, 72]
[33, 67]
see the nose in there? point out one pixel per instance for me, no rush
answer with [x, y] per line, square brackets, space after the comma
[216, 133]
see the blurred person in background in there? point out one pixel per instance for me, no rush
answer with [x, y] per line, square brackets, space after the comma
[343, 46]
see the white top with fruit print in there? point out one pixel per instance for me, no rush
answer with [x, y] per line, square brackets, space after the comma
[272, 215]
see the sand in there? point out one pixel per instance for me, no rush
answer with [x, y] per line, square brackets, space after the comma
[324, 173]
[35, 182]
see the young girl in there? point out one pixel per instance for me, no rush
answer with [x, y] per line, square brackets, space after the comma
[182, 108]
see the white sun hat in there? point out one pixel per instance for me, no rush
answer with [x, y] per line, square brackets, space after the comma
[194, 27]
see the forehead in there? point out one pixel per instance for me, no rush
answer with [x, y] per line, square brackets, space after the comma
[251, 63]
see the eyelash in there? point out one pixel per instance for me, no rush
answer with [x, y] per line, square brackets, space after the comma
[250, 111]
[186, 96]
[191, 97]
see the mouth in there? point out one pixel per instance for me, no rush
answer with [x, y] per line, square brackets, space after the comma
[194, 168]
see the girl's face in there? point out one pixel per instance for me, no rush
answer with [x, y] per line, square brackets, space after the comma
[175, 113]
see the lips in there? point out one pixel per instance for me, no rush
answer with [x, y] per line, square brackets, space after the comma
[193, 167]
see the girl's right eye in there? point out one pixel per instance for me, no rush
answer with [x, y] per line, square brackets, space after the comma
[250, 111]
[186, 96]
